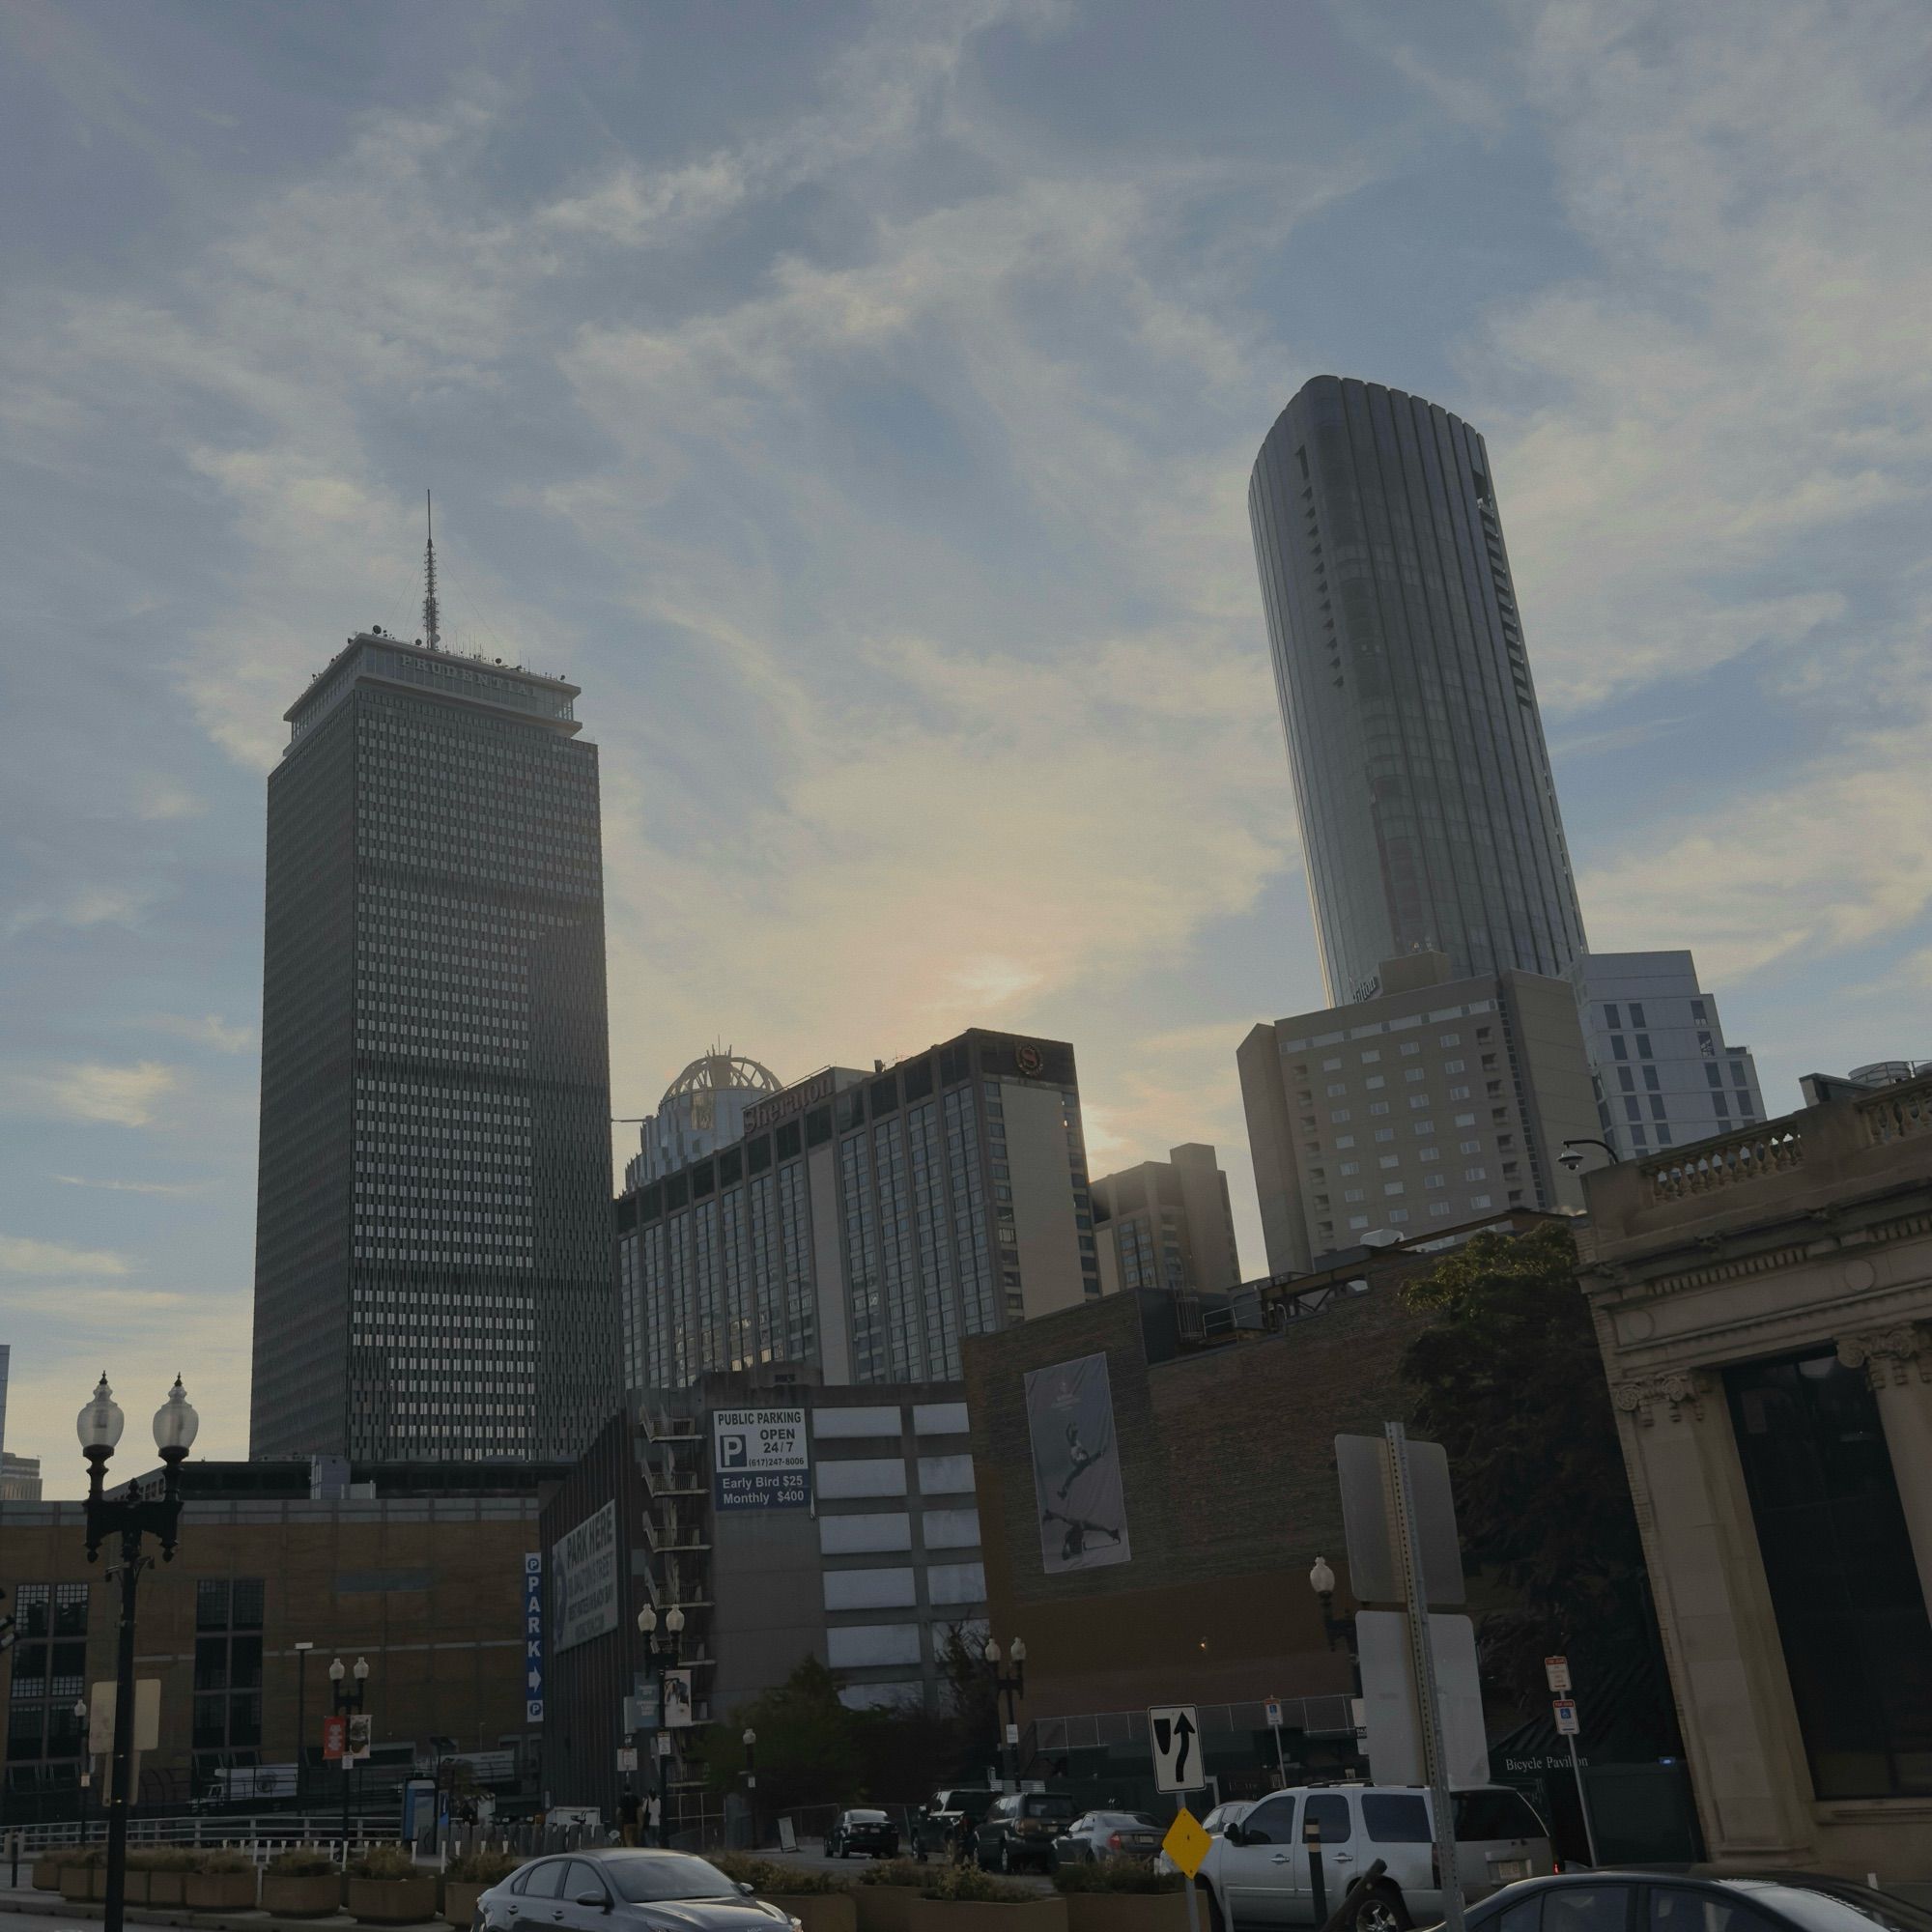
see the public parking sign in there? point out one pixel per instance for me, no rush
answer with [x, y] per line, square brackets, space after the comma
[1566, 1717]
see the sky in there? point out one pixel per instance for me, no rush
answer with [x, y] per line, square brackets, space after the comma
[859, 403]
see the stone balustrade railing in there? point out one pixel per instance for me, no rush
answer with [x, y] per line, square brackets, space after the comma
[1728, 1162]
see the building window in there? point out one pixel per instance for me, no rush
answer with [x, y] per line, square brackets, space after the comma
[1844, 1587]
[227, 1722]
[1610, 1018]
[1478, 1201]
[1375, 1080]
[1636, 1014]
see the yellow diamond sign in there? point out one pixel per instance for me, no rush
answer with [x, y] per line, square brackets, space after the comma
[1187, 1843]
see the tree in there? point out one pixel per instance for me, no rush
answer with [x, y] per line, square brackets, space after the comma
[808, 1750]
[1509, 1380]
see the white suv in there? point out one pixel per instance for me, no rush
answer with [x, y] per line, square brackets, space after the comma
[1256, 1871]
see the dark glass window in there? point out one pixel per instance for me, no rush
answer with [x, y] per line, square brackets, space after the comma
[1593, 1908]
[1610, 1018]
[1845, 1589]
[787, 1139]
[818, 1127]
[1678, 1909]
[730, 1166]
[211, 1664]
[702, 1180]
[1618, 1051]
[1271, 1823]
[547, 1880]
[1484, 1816]
[210, 1604]
[1627, 1080]
[1328, 1814]
[1637, 1014]
[1714, 1073]
[1643, 1046]
[1396, 1818]
[761, 1154]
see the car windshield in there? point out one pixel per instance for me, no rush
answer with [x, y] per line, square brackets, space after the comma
[865, 1817]
[1823, 1910]
[654, 1878]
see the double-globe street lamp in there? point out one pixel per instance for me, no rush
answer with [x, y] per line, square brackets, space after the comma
[141, 1510]
[348, 1704]
[1013, 1684]
[664, 1652]
[1339, 1631]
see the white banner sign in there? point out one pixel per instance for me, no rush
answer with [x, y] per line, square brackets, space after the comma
[759, 1458]
[584, 1581]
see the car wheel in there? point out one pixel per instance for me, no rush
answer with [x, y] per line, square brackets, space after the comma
[1380, 1909]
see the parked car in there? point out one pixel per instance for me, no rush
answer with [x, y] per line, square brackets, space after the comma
[621, 1892]
[1019, 1828]
[1257, 1873]
[1094, 1835]
[871, 1831]
[1213, 1823]
[1612, 1901]
[937, 1820]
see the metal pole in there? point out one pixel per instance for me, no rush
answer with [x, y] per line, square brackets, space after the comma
[1280, 1762]
[1422, 1656]
[1582, 1800]
[301, 1716]
[1193, 1908]
[114, 1912]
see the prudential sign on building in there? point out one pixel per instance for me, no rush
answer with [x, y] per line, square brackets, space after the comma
[759, 1460]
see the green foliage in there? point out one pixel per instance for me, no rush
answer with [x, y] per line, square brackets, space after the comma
[807, 1746]
[968, 1884]
[1116, 1875]
[481, 1867]
[163, 1859]
[767, 1876]
[386, 1862]
[303, 1861]
[1509, 1380]
[895, 1871]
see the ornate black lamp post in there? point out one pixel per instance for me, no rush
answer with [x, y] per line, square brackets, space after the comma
[347, 1703]
[1339, 1631]
[664, 1652]
[150, 1510]
[1012, 1684]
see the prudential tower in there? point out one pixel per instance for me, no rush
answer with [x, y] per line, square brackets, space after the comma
[1428, 811]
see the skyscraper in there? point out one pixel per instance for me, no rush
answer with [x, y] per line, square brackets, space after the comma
[433, 1263]
[1427, 812]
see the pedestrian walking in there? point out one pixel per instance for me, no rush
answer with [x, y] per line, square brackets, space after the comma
[629, 1815]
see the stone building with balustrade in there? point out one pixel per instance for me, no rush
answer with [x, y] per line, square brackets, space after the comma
[1764, 1306]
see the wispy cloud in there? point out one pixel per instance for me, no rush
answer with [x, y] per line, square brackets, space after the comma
[88, 906]
[208, 1029]
[124, 1096]
[182, 1188]
[19, 1255]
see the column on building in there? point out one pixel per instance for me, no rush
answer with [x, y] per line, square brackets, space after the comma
[1897, 1361]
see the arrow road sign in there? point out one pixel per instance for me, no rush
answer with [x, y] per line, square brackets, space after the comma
[1174, 1730]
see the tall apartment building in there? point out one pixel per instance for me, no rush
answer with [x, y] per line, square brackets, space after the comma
[1428, 811]
[866, 1223]
[702, 1110]
[1661, 1070]
[1439, 1102]
[433, 1263]
[1166, 1224]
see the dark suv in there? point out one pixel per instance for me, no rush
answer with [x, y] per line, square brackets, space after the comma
[1019, 1828]
[936, 1822]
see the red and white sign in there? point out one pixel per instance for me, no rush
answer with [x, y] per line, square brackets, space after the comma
[1564, 1710]
[334, 1738]
[1557, 1670]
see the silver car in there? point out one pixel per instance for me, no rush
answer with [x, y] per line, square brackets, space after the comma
[1214, 1823]
[1258, 1871]
[610, 1890]
[1095, 1835]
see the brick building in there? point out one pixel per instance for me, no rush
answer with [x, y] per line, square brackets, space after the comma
[421, 1577]
[1228, 1470]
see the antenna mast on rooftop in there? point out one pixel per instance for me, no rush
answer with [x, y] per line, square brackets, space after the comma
[432, 617]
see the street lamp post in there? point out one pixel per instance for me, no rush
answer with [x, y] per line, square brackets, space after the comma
[86, 1762]
[1571, 1160]
[751, 1744]
[301, 1718]
[346, 1703]
[1012, 1684]
[142, 1510]
[1339, 1631]
[664, 1652]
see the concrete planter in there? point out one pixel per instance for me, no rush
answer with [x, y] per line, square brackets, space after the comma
[819, 1911]
[47, 1874]
[167, 1888]
[883, 1908]
[289, 1896]
[392, 1901]
[950, 1915]
[1126, 1911]
[218, 1891]
[135, 1892]
[459, 1899]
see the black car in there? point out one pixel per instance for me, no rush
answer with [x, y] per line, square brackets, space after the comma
[1018, 1830]
[623, 1891]
[1622, 1900]
[871, 1831]
[935, 1824]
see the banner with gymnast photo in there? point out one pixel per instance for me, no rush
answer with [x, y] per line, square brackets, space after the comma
[1076, 1467]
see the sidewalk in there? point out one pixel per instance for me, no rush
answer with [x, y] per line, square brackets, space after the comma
[51, 1905]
